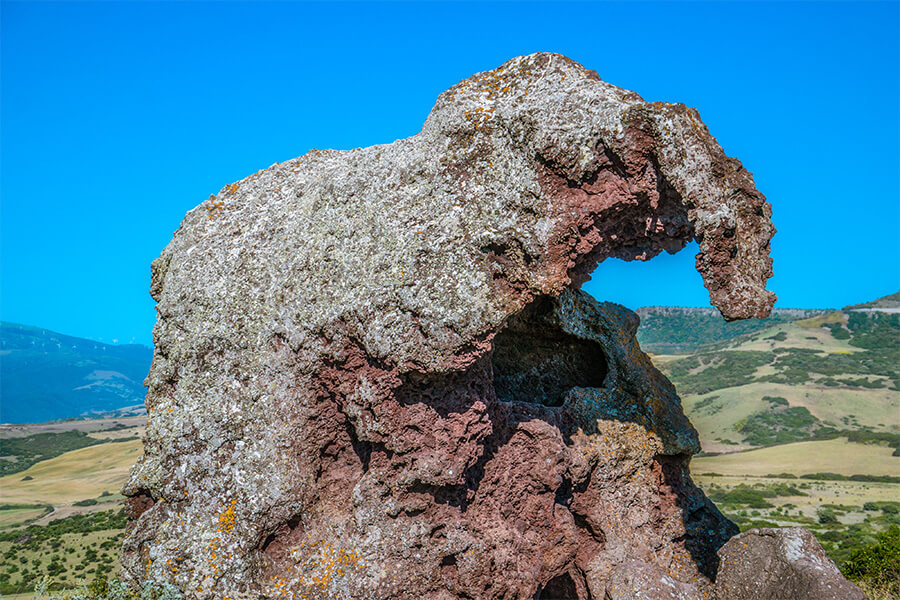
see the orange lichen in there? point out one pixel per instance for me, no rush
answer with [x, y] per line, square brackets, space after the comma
[213, 205]
[226, 518]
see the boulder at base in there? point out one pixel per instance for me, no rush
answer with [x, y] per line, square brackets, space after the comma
[780, 564]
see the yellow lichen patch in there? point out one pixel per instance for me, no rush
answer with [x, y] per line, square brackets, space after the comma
[226, 518]
[316, 573]
[213, 205]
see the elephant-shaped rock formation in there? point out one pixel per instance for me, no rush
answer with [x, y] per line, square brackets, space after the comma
[375, 376]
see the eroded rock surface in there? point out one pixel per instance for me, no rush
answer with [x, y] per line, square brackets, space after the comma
[780, 564]
[374, 376]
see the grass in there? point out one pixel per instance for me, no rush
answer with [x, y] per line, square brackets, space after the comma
[83, 556]
[878, 409]
[76, 475]
[12, 517]
[826, 456]
[21, 453]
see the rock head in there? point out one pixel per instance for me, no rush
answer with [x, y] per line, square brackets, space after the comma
[375, 376]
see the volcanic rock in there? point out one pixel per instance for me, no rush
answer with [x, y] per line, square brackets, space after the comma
[780, 564]
[375, 377]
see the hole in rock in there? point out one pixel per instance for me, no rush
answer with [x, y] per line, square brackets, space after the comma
[536, 361]
[560, 587]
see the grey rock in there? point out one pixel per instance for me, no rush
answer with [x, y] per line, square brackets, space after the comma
[780, 564]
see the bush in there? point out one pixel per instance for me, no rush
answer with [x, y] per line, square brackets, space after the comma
[775, 400]
[827, 516]
[878, 563]
[114, 589]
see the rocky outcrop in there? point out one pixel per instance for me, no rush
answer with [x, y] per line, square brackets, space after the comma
[780, 564]
[375, 377]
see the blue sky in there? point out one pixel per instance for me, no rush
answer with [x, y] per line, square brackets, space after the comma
[117, 118]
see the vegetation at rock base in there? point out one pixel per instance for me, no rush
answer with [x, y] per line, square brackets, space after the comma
[877, 565]
[67, 550]
[113, 589]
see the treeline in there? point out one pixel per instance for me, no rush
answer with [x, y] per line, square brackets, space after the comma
[22, 453]
[33, 535]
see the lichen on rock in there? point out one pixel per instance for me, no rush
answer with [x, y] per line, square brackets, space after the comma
[375, 376]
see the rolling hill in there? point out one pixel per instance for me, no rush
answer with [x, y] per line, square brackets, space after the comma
[46, 375]
[800, 375]
[678, 329]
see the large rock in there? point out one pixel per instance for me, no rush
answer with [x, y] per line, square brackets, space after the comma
[374, 376]
[780, 564]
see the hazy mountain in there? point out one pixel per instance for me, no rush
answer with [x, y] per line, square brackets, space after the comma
[46, 375]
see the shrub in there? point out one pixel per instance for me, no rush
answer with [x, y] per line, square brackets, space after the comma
[114, 589]
[827, 516]
[878, 563]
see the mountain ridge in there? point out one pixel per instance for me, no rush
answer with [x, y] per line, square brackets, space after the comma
[46, 375]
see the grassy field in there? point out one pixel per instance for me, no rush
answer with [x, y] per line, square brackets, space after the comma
[78, 475]
[720, 410]
[69, 558]
[826, 456]
[11, 517]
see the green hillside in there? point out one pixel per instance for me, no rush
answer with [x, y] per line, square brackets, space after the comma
[677, 330]
[890, 301]
[794, 380]
[45, 375]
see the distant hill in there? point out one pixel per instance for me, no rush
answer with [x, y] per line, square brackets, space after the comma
[887, 302]
[680, 330]
[784, 379]
[46, 375]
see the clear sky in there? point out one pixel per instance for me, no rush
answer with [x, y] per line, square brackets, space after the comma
[117, 118]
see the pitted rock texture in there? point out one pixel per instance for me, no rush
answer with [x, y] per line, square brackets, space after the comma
[780, 564]
[374, 376]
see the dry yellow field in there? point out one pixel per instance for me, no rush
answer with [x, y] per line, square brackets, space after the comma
[76, 475]
[15, 516]
[826, 456]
